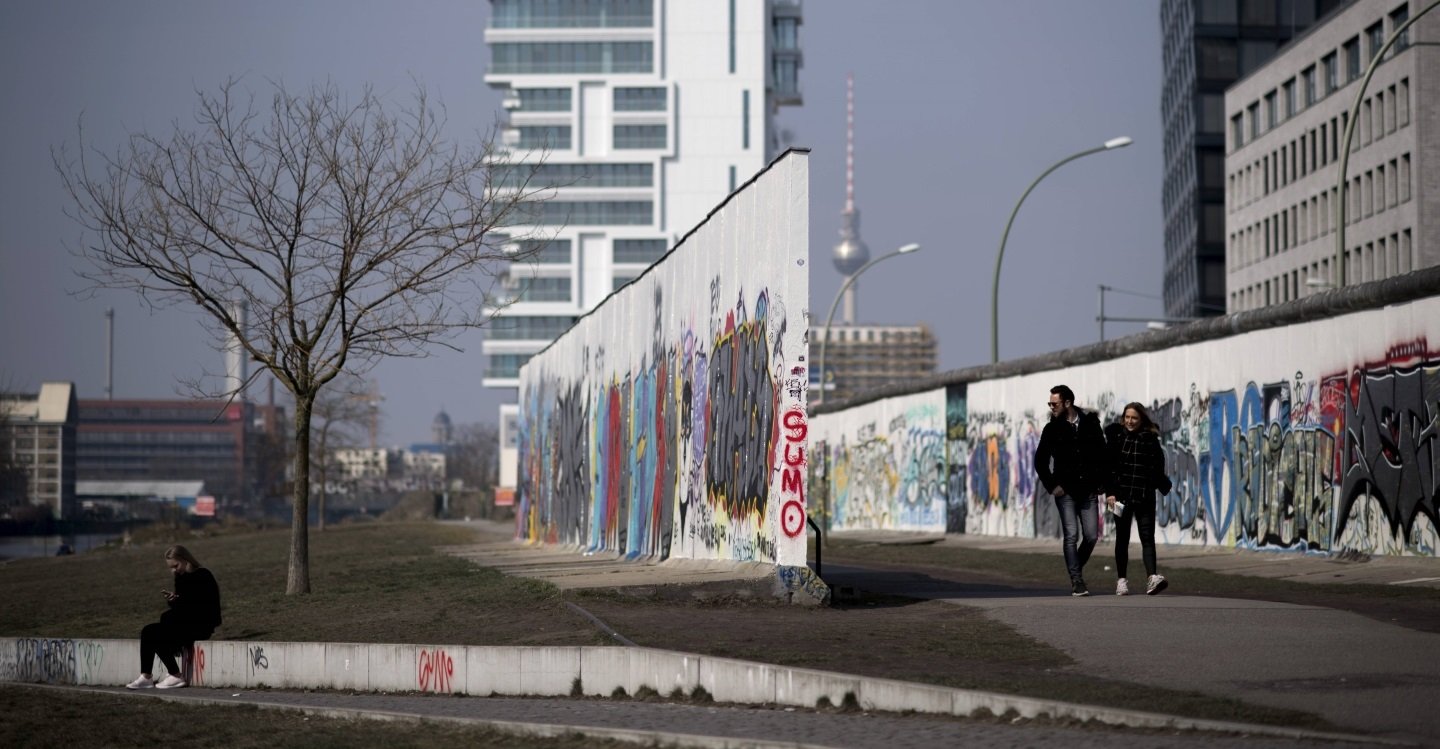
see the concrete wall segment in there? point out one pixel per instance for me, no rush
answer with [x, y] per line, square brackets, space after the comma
[670, 421]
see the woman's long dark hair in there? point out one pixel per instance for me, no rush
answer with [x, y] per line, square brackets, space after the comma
[1145, 423]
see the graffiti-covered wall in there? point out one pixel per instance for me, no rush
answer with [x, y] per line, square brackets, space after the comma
[1316, 436]
[671, 420]
[884, 465]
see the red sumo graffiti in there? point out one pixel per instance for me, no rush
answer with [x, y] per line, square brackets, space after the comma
[792, 476]
[436, 671]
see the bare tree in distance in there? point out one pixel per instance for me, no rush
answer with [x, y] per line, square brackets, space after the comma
[475, 456]
[338, 420]
[354, 230]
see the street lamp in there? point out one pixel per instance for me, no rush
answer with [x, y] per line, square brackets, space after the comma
[1376, 58]
[825, 336]
[1109, 145]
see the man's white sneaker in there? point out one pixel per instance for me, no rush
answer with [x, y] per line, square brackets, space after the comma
[1122, 587]
[1155, 584]
[171, 682]
[140, 683]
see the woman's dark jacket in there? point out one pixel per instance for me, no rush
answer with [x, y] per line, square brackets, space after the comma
[1137, 465]
[1078, 455]
[196, 608]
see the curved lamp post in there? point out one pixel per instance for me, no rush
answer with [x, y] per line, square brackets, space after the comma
[1339, 275]
[1109, 145]
[825, 336]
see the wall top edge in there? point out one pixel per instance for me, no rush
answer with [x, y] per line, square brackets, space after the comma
[1410, 287]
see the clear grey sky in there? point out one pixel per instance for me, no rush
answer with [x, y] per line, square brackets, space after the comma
[959, 106]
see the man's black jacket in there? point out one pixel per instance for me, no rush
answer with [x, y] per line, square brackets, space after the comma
[1080, 462]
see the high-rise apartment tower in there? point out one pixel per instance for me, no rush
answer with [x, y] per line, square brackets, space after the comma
[648, 114]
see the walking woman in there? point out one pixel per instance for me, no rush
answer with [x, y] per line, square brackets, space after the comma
[1137, 463]
[194, 614]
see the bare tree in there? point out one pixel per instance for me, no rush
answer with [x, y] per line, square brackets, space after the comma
[475, 455]
[353, 231]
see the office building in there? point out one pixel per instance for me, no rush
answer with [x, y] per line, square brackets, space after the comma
[237, 448]
[37, 450]
[1208, 45]
[647, 114]
[1286, 134]
[864, 357]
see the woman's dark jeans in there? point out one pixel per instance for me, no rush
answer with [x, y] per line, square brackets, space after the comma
[1144, 516]
[1078, 516]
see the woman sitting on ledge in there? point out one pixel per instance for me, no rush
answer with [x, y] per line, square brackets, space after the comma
[194, 614]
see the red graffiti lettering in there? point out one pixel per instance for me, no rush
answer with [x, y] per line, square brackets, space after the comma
[792, 519]
[792, 480]
[796, 426]
[436, 671]
[796, 459]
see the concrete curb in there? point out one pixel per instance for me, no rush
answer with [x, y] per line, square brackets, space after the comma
[541, 730]
[595, 671]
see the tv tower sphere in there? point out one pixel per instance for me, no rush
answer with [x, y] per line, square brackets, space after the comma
[851, 253]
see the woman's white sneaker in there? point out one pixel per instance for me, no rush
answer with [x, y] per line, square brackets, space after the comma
[1155, 584]
[1122, 587]
[140, 683]
[171, 682]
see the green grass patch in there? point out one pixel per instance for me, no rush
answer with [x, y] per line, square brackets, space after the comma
[43, 717]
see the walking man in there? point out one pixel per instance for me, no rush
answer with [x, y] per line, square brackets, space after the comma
[1071, 462]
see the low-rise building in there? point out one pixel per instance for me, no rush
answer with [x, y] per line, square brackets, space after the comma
[37, 447]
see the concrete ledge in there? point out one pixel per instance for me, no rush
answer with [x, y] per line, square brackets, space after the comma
[556, 671]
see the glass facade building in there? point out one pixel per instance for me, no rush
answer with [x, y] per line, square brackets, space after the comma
[1207, 46]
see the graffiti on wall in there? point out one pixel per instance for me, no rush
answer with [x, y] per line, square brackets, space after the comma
[887, 467]
[683, 451]
[1308, 462]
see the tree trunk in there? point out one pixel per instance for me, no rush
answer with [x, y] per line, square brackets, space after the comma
[324, 476]
[297, 578]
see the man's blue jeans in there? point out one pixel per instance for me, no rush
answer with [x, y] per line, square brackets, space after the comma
[1077, 517]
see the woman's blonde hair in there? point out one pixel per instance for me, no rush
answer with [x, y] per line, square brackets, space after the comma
[183, 554]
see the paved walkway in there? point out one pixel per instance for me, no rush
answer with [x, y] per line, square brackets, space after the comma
[716, 726]
[1358, 673]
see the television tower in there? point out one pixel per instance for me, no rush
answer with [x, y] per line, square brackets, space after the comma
[851, 253]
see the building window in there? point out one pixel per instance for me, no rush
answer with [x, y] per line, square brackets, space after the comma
[560, 14]
[543, 136]
[787, 33]
[1254, 53]
[590, 213]
[621, 281]
[1218, 12]
[1404, 177]
[506, 366]
[787, 76]
[544, 251]
[745, 119]
[732, 36]
[544, 99]
[541, 289]
[521, 328]
[1330, 64]
[732, 178]
[1272, 112]
[1398, 17]
[1376, 36]
[1291, 106]
[571, 57]
[1352, 59]
[639, 136]
[1402, 102]
[1237, 131]
[644, 251]
[1218, 59]
[651, 99]
[1253, 112]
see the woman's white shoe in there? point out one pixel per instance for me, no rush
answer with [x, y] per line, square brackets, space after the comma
[171, 682]
[140, 683]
